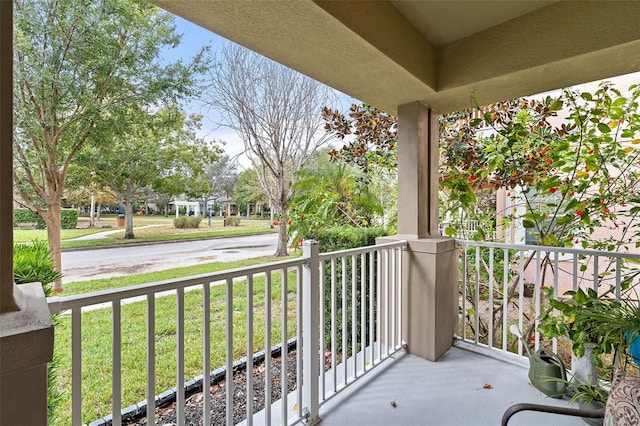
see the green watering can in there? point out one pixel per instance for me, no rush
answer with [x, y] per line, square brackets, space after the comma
[546, 370]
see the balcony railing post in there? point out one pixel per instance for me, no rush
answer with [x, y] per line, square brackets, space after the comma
[310, 333]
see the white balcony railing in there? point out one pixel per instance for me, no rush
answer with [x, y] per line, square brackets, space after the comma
[501, 285]
[345, 308]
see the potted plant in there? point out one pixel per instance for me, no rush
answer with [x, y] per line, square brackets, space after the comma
[572, 318]
[617, 322]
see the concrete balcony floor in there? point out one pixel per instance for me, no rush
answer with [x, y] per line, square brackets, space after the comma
[448, 392]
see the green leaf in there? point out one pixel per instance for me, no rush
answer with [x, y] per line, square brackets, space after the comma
[586, 96]
[580, 296]
[450, 231]
[603, 128]
[528, 223]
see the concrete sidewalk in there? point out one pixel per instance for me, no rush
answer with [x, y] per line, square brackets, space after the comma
[103, 234]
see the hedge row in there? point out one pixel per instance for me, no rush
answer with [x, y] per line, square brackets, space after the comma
[342, 238]
[68, 218]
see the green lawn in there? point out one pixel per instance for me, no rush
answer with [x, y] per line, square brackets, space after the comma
[163, 230]
[96, 343]
[28, 235]
[97, 338]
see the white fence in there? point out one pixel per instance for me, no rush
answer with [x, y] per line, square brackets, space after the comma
[502, 284]
[345, 308]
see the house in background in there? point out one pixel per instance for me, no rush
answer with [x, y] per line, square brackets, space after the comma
[412, 59]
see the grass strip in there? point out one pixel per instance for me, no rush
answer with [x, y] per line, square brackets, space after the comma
[117, 239]
[79, 287]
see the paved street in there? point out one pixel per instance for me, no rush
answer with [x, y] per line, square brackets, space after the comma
[102, 263]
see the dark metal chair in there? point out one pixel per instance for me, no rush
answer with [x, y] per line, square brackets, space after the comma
[576, 412]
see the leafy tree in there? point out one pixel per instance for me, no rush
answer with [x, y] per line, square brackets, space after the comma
[275, 111]
[565, 177]
[330, 194]
[78, 66]
[371, 133]
[248, 190]
[155, 144]
[569, 166]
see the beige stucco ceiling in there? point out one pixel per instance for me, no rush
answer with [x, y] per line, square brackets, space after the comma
[443, 53]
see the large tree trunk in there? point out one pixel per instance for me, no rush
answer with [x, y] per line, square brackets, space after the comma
[92, 211]
[282, 239]
[51, 218]
[128, 214]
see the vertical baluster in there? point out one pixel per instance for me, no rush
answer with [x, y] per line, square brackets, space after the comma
[249, 390]
[229, 355]
[476, 299]
[372, 295]
[267, 347]
[323, 349]
[76, 369]
[387, 302]
[363, 313]
[299, 313]
[206, 353]
[334, 334]
[596, 273]
[151, 359]
[284, 352]
[618, 278]
[344, 328]
[116, 362]
[556, 269]
[378, 304]
[399, 287]
[490, 323]
[465, 263]
[392, 310]
[354, 310]
[505, 293]
[575, 272]
[536, 300]
[520, 298]
[180, 399]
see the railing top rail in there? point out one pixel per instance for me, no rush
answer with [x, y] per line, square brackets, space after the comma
[59, 304]
[562, 250]
[366, 249]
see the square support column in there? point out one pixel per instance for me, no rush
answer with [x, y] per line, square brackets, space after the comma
[430, 263]
[26, 332]
[418, 158]
[26, 346]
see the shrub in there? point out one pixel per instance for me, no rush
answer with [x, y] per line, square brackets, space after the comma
[69, 219]
[342, 238]
[232, 221]
[187, 222]
[33, 263]
[27, 216]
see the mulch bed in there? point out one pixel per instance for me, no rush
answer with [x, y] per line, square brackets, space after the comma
[193, 407]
